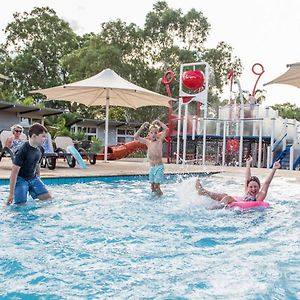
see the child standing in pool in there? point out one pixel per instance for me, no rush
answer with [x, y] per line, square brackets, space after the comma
[25, 173]
[253, 191]
[154, 143]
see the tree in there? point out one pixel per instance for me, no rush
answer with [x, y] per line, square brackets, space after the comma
[35, 44]
[168, 31]
[142, 56]
[5, 91]
[287, 110]
[220, 59]
[120, 47]
[173, 38]
[260, 96]
[48, 53]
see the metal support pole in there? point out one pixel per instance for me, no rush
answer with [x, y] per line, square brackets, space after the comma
[204, 135]
[268, 156]
[295, 135]
[218, 128]
[285, 132]
[198, 126]
[291, 157]
[259, 143]
[184, 134]
[224, 143]
[194, 128]
[292, 152]
[242, 115]
[241, 146]
[106, 125]
[272, 143]
[178, 130]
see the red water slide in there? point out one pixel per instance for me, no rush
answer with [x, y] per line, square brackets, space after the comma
[122, 150]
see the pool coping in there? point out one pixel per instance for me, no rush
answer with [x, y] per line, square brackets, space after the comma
[133, 168]
[85, 179]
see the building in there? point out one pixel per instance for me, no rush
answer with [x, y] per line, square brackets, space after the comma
[119, 132]
[15, 113]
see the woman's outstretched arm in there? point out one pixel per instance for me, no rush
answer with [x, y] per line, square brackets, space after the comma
[264, 190]
[248, 171]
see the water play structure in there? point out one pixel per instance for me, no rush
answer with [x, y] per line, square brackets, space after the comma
[242, 127]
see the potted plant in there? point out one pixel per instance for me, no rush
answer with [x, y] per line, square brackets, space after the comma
[96, 145]
[95, 148]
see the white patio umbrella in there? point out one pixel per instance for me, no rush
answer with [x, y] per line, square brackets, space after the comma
[105, 88]
[291, 76]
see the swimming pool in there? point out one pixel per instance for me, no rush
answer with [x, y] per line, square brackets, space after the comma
[113, 239]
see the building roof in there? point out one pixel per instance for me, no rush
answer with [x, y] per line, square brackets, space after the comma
[93, 122]
[29, 111]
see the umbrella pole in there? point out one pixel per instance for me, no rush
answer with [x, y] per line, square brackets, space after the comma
[106, 125]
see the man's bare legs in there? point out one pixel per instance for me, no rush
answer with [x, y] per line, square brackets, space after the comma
[221, 197]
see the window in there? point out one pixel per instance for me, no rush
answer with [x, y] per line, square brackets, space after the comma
[130, 132]
[121, 140]
[124, 135]
[25, 121]
[121, 131]
[91, 130]
[36, 121]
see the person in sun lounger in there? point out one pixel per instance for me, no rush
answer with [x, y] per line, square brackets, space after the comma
[16, 141]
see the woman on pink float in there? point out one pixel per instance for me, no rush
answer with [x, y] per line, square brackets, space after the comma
[253, 190]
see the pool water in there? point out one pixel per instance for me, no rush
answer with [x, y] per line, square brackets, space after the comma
[103, 240]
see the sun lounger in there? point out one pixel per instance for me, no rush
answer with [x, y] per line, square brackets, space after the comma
[61, 150]
[62, 144]
[49, 157]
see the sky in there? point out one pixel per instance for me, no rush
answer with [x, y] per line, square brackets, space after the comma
[260, 31]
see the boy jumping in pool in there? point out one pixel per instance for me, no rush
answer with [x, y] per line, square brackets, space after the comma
[253, 191]
[25, 171]
[154, 142]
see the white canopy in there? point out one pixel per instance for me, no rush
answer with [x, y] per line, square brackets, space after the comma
[94, 91]
[106, 88]
[291, 76]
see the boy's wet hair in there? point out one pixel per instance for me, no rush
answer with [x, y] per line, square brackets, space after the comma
[153, 126]
[36, 129]
[253, 178]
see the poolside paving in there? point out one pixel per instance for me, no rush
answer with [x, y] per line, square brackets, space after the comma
[138, 167]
